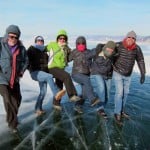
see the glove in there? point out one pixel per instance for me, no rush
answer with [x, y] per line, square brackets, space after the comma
[20, 74]
[142, 78]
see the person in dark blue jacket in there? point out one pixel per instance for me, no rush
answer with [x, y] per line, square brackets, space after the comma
[13, 63]
[101, 72]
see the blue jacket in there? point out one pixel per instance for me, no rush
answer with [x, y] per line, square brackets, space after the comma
[100, 65]
[6, 62]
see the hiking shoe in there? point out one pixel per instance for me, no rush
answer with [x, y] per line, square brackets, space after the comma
[13, 129]
[74, 98]
[80, 102]
[118, 119]
[125, 115]
[102, 113]
[60, 94]
[78, 109]
[95, 101]
[56, 105]
[40, 112]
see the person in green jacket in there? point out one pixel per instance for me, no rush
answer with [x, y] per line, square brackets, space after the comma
[58, 52]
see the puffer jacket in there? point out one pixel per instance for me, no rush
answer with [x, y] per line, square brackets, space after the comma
[126, 59]
[100, 65]
[80, 63]
[58, 55]
[38, 60]
[6, 61]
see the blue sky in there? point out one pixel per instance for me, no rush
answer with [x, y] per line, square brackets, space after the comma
[79, 17]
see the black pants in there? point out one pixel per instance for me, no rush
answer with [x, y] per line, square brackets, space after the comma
[59, 84]
[12, 100]
[63, 76]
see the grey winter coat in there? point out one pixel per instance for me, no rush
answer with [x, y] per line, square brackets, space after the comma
[80, 63]
[6, 62]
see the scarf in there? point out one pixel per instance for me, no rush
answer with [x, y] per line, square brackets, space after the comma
[13, 71]
[128, 47]
[13, 48]
[81, 47]
[39, 47]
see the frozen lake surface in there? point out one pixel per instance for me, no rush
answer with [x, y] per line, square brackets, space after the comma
[69, 130]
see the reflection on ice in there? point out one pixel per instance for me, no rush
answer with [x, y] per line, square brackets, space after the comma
[68, 130]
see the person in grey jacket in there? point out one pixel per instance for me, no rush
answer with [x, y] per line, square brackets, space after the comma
[13, 63]
[81, 72]
[128, 53]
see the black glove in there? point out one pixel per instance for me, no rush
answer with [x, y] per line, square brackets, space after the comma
[142, 78]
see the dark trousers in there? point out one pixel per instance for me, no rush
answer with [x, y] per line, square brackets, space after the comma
[59, 84]
[12, 100]
[64, 77]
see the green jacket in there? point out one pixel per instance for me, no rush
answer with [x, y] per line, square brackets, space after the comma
[56, 56]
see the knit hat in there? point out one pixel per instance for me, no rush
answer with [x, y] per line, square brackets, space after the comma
[39, 38]
[13, 29]
[131, 34]
[81, 39]
[109, 44]
[62, 33]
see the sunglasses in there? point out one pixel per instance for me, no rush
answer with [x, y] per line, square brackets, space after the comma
[40, 40]
[62, 39]
[132, 38]
[13, 37]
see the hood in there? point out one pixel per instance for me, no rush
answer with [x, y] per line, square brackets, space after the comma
[81, 39]
[109, 44]
[81, 44]
[62, 32]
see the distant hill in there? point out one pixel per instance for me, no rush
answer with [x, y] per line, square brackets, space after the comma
[144, 39]
[116, 38]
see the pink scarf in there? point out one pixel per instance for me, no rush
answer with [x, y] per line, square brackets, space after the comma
[81, 47]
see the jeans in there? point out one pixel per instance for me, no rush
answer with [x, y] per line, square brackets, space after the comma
[43, 78]
[84, 81]
[101, 88]
[122, 84]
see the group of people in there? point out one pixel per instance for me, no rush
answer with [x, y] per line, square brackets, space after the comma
[92, 69]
